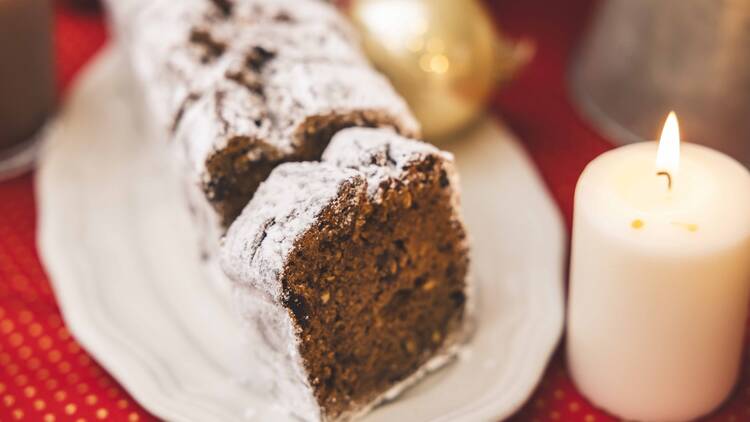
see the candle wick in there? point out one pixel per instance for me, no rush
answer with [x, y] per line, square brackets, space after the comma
[669, 178]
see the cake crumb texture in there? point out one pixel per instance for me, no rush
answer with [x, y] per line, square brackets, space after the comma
[367, 255]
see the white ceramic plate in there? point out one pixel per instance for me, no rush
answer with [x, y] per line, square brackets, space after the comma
[121, 252]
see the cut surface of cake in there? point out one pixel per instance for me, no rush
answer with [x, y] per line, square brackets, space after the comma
[354, 272]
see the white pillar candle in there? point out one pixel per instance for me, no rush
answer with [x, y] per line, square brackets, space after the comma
[660, 278]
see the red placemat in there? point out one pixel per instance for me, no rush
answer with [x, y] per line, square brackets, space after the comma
[46, 376]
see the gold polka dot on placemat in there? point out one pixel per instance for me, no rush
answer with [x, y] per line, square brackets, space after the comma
[54, 355]
[70, 408]
[24, 352]
[6, 326]
[29, 391]
[91, 399]
[9, 400]
[35, 329]
[15, 339]
[21, 380]
[45, 342]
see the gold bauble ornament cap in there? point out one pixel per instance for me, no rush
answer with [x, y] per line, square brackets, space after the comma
[444, 56]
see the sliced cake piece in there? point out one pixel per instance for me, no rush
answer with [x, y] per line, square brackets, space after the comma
[240, 86]
[353, 271]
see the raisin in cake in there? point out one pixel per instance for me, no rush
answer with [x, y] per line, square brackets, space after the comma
[240, 86]
[353, 271]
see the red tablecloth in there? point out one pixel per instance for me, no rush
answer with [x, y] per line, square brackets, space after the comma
[46, 376]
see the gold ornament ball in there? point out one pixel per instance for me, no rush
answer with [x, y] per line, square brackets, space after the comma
[443, 56]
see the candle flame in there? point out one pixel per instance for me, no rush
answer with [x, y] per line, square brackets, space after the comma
[668, 154]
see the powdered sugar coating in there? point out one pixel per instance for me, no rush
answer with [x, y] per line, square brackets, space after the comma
[276, 73]
[254, 252]
[286, 205]
[257, 245]
[378, 155]
[293, 94]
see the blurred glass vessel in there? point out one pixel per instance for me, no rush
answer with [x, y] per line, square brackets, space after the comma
[27, 80]
[643, 58]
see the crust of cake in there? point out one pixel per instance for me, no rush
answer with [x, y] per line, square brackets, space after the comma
[360, 184]
[243, 86]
